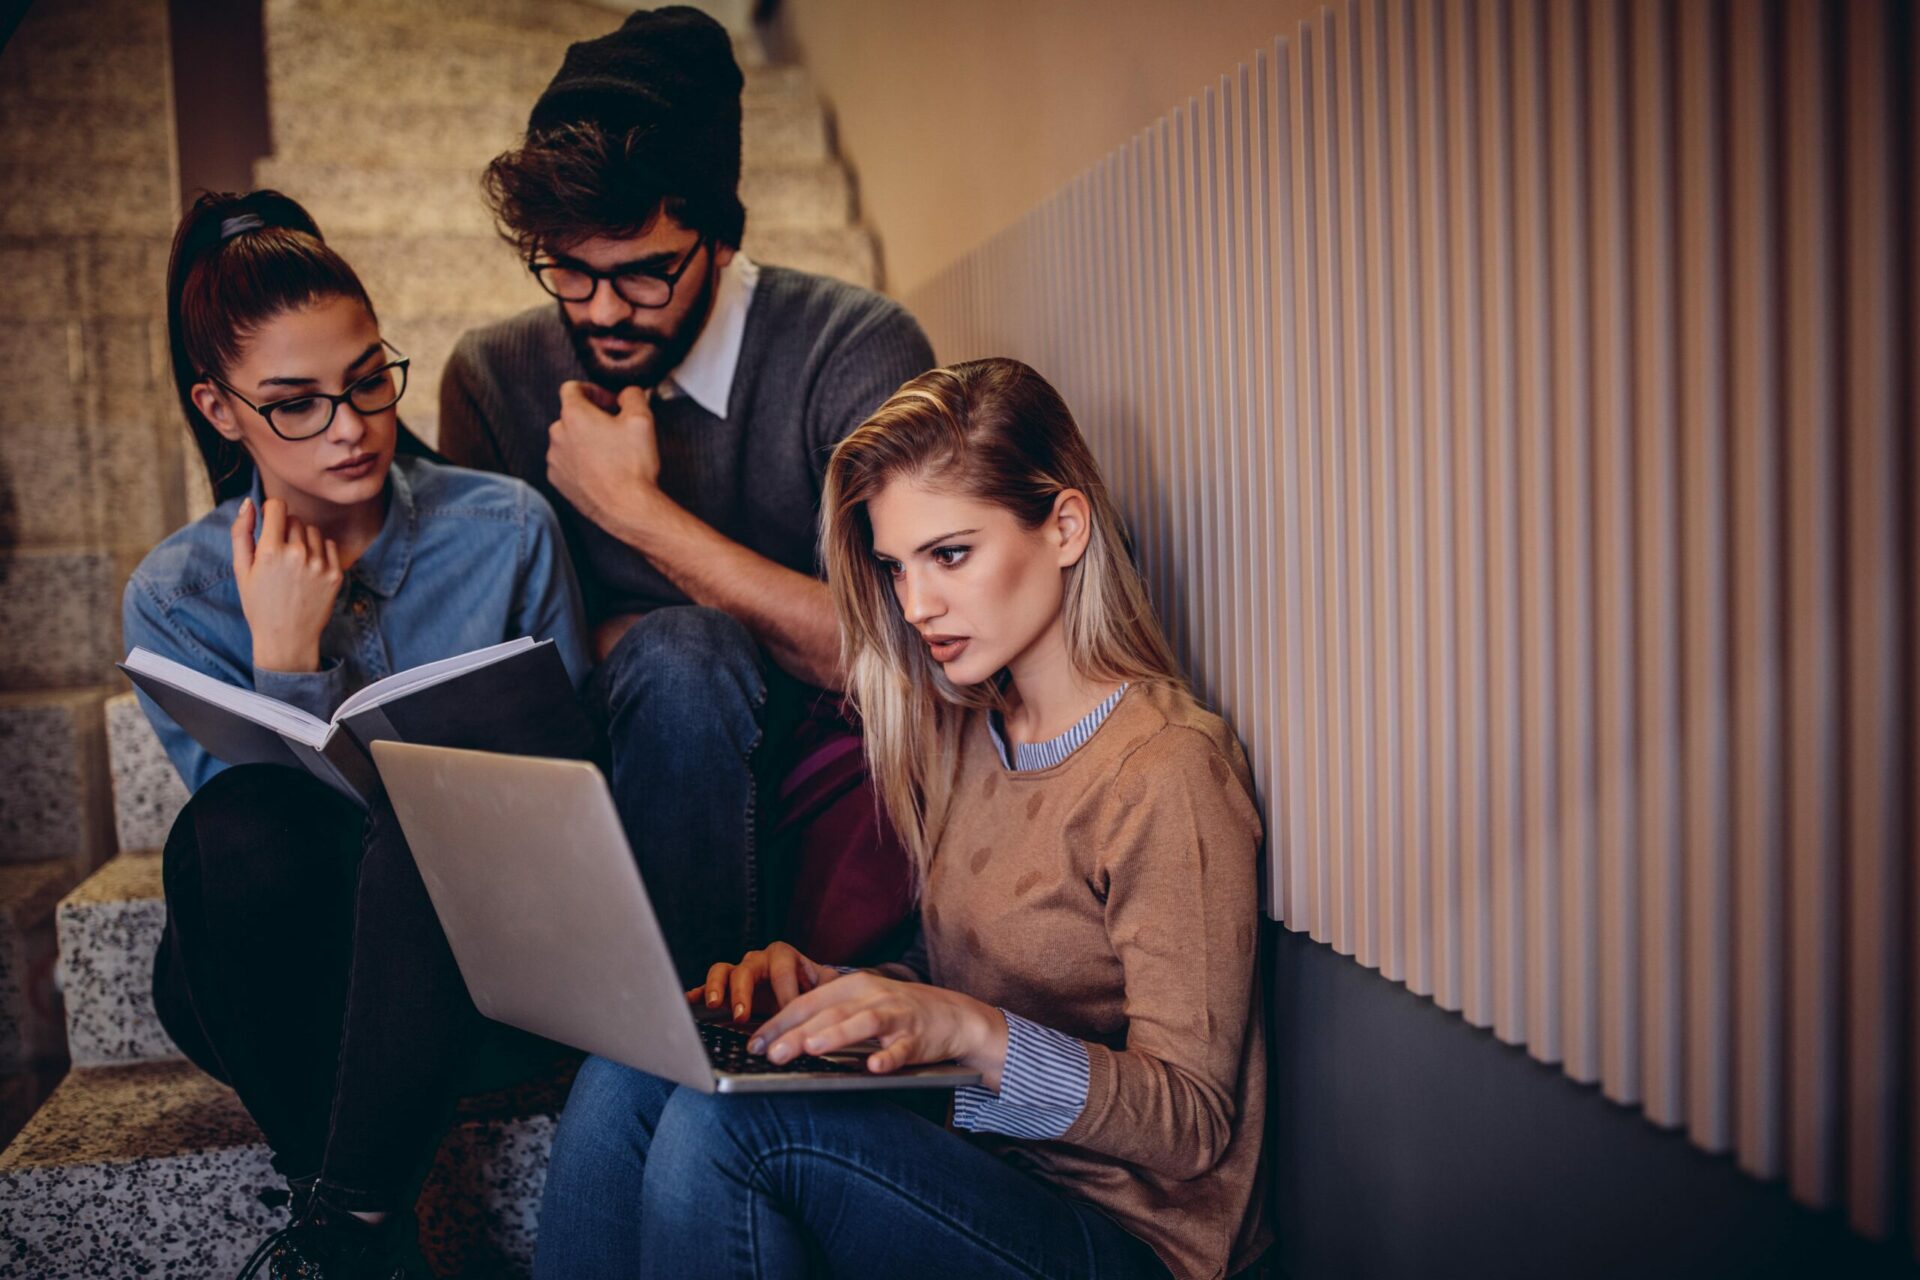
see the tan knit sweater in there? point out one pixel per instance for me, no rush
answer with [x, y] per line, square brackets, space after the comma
[1114, 896]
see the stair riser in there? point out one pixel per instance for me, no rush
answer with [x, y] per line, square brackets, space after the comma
[53, 767]
[59, 619]
[30, 1021]
[147, 791]
[106, 975]
[776, 130]
[198, 1213]
[400, 201]
[309, 60]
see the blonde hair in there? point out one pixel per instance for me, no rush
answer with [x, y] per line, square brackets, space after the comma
[994, 431]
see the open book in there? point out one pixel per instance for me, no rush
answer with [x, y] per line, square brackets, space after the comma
[507, 697]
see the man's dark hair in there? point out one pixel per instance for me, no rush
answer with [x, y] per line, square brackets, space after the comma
[641, 120]
[578, 180]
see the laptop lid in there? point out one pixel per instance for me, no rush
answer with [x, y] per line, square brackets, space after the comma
[535, 885]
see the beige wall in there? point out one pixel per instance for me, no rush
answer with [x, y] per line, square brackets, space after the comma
[957, 118]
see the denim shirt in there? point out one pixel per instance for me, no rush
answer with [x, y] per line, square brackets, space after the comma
[464, 560]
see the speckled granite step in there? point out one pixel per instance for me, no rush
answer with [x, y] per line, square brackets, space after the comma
[109, 927]
[30, 1030]
[59, 616]
[155, 1170]
[565, 19]
[781, 125]
[359, 199]
[147, 793]
[310, 56]
[53, 771]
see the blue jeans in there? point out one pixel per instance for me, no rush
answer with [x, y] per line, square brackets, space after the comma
[650, 1179]
[682, 699]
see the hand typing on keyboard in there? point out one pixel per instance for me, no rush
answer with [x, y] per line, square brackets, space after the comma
[818, 1011]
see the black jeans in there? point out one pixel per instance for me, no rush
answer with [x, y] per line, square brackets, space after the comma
[303, 965]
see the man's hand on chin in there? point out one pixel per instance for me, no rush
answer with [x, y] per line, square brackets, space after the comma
[603, 455]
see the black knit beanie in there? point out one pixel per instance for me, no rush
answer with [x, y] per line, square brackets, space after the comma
[670, 71]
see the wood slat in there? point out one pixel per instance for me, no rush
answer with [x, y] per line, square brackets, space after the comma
[1506, 761]
[1658, 758]
[1813, 731]
[1875, 844]
[1705, 514]
[1416, 831]
[1756, 450]
[1534, 355]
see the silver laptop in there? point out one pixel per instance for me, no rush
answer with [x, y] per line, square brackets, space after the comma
[541, 899]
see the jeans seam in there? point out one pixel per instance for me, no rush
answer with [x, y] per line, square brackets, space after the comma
[760, 1161]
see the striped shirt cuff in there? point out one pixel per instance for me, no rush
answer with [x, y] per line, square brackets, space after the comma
[1043, 1086]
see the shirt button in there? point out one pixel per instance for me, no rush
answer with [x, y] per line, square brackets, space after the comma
[360, 607]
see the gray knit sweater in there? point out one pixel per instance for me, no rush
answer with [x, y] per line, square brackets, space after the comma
[817, 357]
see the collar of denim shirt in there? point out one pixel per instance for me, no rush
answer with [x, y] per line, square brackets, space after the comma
[382, 567]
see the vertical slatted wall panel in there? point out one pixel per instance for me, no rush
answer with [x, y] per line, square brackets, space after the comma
[1510, 401]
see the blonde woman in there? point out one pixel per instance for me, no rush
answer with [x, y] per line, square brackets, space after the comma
[1085, 845]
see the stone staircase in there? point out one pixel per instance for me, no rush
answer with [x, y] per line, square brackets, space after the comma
[89, 458]
[139, 1164]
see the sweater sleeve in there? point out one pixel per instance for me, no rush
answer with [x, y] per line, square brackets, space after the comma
[1178, 864]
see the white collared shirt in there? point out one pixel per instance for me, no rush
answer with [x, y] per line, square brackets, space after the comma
[706, 375]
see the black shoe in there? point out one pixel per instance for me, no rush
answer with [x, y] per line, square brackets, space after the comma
[324, 1243]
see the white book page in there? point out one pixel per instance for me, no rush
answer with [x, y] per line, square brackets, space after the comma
[257, 707]
[432, 673]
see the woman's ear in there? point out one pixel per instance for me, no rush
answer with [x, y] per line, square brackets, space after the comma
[1072, 524]
[214, 408]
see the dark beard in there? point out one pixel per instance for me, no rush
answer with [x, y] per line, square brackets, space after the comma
[652, 369]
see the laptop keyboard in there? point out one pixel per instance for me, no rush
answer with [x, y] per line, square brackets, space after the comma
[727, 1050]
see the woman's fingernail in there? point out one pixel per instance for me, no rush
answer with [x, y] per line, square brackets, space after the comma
[739, 1011]
[756, 1044]
[713, 997]
[779, 1053]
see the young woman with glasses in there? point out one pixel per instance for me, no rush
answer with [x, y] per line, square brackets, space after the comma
[302, 962]
[1085, 842]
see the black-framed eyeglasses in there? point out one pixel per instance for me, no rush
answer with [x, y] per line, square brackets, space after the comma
[306, 415]
[637, 286]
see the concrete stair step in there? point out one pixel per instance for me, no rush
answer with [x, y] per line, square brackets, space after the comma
[68, 277]
[107, 198]
[563, 20]
[777, 127]
[147, 792]
[97, 51]
[31, 1030]
[109, 927]
[310, 56]
[370, 200]
[43, 131]
[89, 407]
[59, 617]
[53, 770]
[154, 1169]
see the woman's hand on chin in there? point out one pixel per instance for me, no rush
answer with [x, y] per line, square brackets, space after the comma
[288, 578]
[913, 1022]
